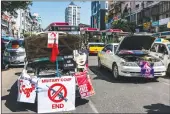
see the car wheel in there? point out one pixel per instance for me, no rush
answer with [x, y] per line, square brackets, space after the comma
[115, 72]
[168, 70]
[99, 64]
[6, 66]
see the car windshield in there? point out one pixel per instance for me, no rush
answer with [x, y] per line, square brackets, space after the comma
[168, 46]
[16, 44]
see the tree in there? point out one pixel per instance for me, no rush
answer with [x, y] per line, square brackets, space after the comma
[124, 24]
[11, 6]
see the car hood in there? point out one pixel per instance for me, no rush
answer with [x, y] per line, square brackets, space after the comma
[136, 42]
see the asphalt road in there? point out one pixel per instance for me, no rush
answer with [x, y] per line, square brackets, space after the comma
[130, 95]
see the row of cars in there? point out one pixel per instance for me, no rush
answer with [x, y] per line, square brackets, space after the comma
[13, 52]
[139, 55]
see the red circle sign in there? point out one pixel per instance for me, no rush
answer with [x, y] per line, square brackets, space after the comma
[53, 97]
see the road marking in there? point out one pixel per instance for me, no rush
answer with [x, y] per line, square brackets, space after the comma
[93, 107]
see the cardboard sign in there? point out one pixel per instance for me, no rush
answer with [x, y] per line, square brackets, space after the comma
[146, 69]
[84, 84]
[58, 94]
[69, 63]
[26, 91]
[51, 37]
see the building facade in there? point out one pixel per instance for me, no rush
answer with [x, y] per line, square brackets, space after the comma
[72, 14]
[98, 14]
[149, 16]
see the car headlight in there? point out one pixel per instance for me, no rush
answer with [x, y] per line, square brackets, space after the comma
[128, 64]
[6, 53]
[158, 63]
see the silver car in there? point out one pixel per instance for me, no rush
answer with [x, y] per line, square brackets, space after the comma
[14, 54]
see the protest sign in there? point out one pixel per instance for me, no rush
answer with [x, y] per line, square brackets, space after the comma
[51, 37]
[84, 84]
[26, 91]
[69, 63]
[58, 94]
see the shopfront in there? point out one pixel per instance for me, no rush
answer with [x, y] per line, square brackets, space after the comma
[163, 25]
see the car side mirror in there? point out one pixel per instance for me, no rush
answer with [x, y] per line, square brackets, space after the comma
[165, 53]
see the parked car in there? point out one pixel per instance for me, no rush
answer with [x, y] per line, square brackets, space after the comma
[3, 47]
[131, 58]
[14, 53]
[161, 50]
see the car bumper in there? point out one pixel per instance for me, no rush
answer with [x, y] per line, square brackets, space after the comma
[13, 62]
[136, 71]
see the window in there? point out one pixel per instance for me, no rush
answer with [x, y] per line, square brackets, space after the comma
[154, 47]
[168, 46]
[108, 47]
[137, 6]
[106, 5]
[162, 49]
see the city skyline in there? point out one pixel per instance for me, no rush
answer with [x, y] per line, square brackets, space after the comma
[46, 12]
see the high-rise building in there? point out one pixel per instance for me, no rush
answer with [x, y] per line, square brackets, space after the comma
[72, 14]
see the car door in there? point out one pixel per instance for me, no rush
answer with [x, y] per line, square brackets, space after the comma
[109, 56]
[163, 54]
[102, 55]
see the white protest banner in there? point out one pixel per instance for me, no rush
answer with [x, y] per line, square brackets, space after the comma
[51, 37]
[58, 94]
[26, 91]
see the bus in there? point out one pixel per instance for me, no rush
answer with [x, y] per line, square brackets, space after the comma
[63, 27]
[113, 35]
[90, 35]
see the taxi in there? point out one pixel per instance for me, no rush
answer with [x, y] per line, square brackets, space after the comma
[161, 49]
[95, 47]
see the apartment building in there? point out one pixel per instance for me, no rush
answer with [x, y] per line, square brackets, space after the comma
[72, 14]
[150, 16]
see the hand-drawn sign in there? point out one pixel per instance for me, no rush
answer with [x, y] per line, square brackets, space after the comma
[57, 95]
[27, 91]
[51, 37]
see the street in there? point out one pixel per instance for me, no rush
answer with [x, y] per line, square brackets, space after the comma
[130, 95]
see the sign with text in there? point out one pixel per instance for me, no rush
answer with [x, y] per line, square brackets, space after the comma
[69, 63]
[52, 36]
[84, 84]
[58, 94]
[26, 91]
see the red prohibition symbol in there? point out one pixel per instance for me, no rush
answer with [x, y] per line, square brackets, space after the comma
[54, 97]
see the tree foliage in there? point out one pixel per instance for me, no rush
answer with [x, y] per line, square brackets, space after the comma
[11, 6]
[124, 25]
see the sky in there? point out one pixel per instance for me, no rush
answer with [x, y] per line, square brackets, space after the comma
[55, 11]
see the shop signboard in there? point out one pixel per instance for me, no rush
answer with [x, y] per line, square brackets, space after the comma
[147, 25]
[164, 21]
[155, 23]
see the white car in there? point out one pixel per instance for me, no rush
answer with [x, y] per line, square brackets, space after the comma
[162, 50]
[130, 58]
